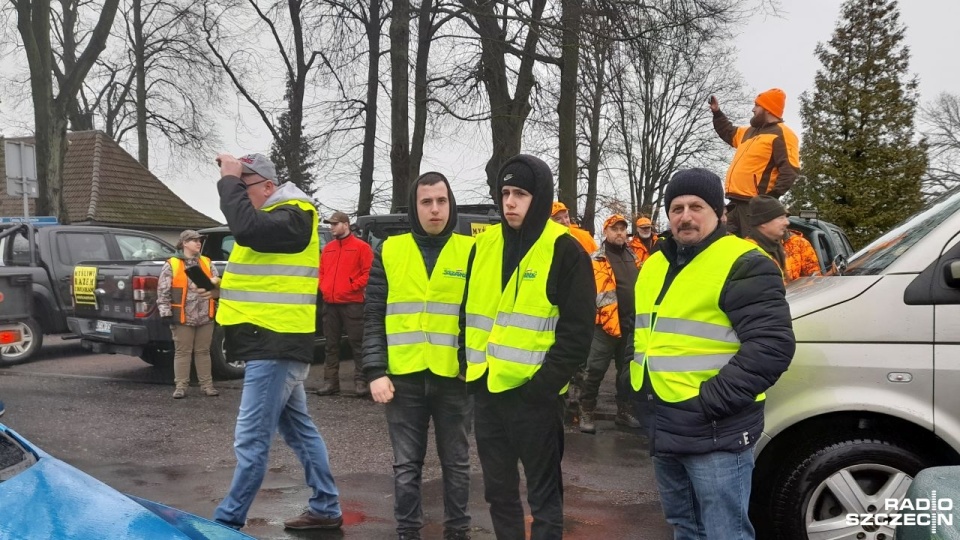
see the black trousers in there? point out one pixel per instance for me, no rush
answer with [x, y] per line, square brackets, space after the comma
[339, 319]
[509, 431]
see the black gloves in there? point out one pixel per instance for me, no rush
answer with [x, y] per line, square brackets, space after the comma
[167, 320]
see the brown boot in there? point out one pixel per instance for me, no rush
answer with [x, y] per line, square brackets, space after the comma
[625, 416]
[363, 390]
[329, 388]
[309, 520]
[586, 417]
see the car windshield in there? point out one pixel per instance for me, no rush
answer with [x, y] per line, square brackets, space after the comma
[883, 251]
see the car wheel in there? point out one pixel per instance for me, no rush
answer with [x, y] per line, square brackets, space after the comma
[843, 476]
[32, 340]
[222, 367]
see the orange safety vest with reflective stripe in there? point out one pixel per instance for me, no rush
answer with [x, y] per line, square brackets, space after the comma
[180, 284]
[608, 315]
[686, 339]
[508, 334]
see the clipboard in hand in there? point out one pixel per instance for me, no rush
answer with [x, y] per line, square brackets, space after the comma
[196, 275]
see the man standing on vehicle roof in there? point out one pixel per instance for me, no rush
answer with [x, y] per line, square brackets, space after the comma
[268, 311]
[344, 271]
[521, 346]
[712, 333]
[767, 160]
[410, 353]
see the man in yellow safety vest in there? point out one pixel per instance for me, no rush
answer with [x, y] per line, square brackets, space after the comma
[411, 324]
[712, 334]
[522, 344]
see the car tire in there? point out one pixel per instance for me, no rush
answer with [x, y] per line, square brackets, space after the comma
[866, 469]
[32, 341]
[221, 366]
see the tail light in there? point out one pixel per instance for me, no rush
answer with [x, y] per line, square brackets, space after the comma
[144, 295]
[9, 337]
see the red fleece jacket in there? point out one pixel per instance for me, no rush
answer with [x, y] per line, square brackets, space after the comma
[344, 270]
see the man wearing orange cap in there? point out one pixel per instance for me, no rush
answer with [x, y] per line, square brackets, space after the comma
[561, 215]
[615, 268]
[767, 160]
[645, 240]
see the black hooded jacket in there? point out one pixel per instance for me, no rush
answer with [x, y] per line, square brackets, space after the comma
[373, 361]
[570, 287]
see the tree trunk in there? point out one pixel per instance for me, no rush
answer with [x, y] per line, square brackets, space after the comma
[424, 39]
[139, 54]
[567, 106]
[593, 162]
[370, 110]
[399, 106]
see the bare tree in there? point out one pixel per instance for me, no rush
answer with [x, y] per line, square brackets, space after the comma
[399, 100]
[940, 124]
[51, 110]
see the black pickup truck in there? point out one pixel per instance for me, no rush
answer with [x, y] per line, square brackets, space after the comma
[50, 261]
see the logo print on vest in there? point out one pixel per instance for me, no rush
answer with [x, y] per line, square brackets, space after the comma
[455, 273]
[530, 274]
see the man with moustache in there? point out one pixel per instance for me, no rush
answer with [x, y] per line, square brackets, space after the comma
[712, 334]
[644, 243]
[767, 157]
[522, 344]
[410, 357]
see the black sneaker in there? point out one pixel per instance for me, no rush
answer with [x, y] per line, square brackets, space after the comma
[328, 389]
[309, 520]
[456, 534]
[409, 535]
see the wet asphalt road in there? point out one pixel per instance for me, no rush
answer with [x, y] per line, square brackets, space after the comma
[113, 418]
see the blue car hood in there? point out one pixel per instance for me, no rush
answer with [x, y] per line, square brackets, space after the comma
[53, 500]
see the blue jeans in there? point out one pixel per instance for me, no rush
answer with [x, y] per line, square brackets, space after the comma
[417, 398]
[706, 496]
[273, 398]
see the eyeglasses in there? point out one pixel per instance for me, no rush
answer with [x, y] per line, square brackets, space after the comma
[248, 186]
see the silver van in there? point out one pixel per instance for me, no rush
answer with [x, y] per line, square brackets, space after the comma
[873, 393]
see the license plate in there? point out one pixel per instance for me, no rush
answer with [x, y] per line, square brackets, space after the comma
[103, 326]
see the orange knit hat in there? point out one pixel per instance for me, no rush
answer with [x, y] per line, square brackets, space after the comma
[773, 100]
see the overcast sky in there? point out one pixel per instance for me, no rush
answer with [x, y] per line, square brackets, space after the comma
[774, 52]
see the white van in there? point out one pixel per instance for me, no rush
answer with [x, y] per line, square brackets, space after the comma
[873, 393]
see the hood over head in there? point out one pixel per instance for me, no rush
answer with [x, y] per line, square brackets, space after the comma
[533, 175]
[430, 178]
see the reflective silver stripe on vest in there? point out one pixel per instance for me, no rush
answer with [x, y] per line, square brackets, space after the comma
[520, 356]
[405, 338]
[404, 308]
[606, 298]
[675, 364]
[245, 269]
[480, 321]
[642, 321]
[443, 308]
[527, 322]
[698, 329]
[445, 340]
[475, 356]
[268, 297]
[638, 358]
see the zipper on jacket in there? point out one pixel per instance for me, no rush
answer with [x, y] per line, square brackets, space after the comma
[714, 425]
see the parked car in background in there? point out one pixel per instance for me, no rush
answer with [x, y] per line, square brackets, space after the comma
[472, 220]
[16, 299]
[43, 497]
[50, 261]
[871, 397]
[827, 239]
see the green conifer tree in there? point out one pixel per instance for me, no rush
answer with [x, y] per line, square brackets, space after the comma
[862, 161]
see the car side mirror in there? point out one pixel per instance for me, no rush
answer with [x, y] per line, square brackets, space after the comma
[951, 274]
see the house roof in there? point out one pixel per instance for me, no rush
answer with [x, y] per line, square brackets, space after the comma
[105, 185]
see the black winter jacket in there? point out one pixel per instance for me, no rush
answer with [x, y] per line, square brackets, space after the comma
[725, 416]
[373, 361]
[570, 287]
[284, 230]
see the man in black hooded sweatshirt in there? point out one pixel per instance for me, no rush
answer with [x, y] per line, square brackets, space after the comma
[520, 347]
[410, 353]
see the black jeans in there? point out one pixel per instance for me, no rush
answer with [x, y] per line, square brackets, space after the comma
[418, 397]
[509, 430]
[604, 348]
[339, 319]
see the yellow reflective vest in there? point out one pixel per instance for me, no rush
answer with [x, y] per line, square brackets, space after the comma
[687, 338]
[423, 314]
[508, 334]
[276, 291]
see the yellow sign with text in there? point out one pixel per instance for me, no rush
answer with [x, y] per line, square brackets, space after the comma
[84, 282]
[477, 228]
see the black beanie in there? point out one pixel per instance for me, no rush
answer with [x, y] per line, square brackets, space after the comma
[517, 173]
[764, 208]
[699, 182]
